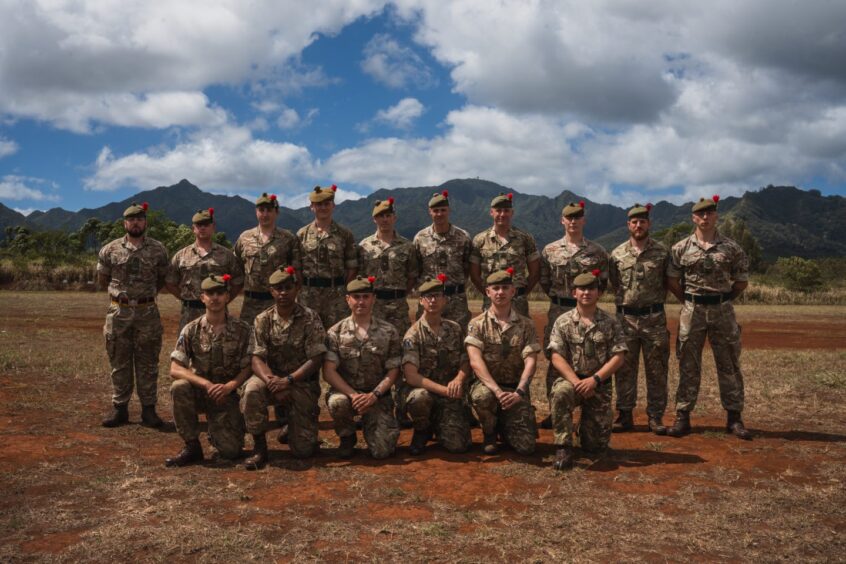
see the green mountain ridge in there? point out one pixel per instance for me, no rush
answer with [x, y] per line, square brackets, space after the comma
[786, 221]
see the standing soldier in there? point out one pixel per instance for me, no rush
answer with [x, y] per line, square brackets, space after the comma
[638, 273]
[262, 250]
[561, 262]
[503, 348]
[445, 248]
[134, 269]
[436, 369]
[361, 365]
[587, 347]
[707, 271]
[196, 262]
[329, 259]
[288, 348]
[210, 362]
[503, 246]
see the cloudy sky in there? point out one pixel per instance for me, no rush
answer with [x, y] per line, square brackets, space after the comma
[616, 100]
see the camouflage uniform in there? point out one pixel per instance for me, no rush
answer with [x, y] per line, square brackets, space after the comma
[504, 352]
[285, 346]
[327, 256]
[708, 272]
[133, 330]
[189, 267]
[362, 365]
[448, 254]
[638, 279]
[492, 255]
[586, 350]
[439, 358]
[218, 359]
[260, 259]
[392, 265]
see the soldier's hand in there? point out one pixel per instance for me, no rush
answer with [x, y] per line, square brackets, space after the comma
[218, 392]
[277, 385]
[586, 388]
[362, 402]
[455, 388]
[509, 400]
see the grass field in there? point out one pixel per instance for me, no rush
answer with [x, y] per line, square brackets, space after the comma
[73, 491]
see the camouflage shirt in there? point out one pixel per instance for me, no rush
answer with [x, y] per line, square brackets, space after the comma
[260, 259]
[503, 350]
[492, 254]
[363, 364]
[218, 358]
[711, 271]
[436, 356]
[327, 255]
[285, 345]
[188, 268]
[392, 265]
[561, 264]
[587, 348]
[448, 253]
[638, 279]
[136, 272]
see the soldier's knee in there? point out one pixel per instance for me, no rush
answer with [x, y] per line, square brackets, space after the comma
[230, 450]
[525, 448]
[338, 402]
[456, 446]
[379, 452]
[302, 450]
[180, 388]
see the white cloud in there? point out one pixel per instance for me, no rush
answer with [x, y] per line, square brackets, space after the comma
[394, 65]
[7, 147]
[402, 115]
[14, 187]
[289, 118]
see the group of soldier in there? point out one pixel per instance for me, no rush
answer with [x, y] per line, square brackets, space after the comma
[315, 303]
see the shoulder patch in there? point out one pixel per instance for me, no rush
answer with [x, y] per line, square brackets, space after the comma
[407, 344]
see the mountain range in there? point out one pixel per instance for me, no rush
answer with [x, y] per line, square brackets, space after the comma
[786, 221]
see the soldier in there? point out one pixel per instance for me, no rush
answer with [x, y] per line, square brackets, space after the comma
[210, 362]
[561, 262]
[638, 273]
[707, 271]
[436, 369]
[262, 250]
[288, 349]
[445, 248]
[329, 259]
[134, 268]
[503, 246]
[194, 263]
[587, 347]
[361, 365]
[503, 349]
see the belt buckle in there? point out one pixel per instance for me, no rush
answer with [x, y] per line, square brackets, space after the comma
[132, 303]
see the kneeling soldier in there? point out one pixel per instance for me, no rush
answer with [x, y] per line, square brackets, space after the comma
[362, 363]
[587, 347]
[503, 348]
[435, 366]
[288, 347]
[210, 362]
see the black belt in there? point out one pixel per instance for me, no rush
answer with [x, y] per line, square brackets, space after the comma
[258, 295]
[453, 289]
[708, 299]
[654, 308]
[324, 282]
[521, 291]
[133, 303]
[196, 304]
[390, 294]
[563, 302]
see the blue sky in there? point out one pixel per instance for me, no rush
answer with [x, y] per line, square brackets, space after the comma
[618, 101]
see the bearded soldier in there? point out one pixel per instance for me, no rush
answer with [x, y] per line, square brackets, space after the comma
[134, 269]
[707, 271]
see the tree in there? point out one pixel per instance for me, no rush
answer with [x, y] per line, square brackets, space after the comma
[673, 234]
[736, 229]
[799, 274]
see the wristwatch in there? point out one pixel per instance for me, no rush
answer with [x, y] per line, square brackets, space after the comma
[520, 392]
[597, 379]
[376, 392]
[290, 379]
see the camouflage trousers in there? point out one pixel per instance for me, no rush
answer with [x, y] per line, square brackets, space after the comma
[456, 309]
[225, 424]
[519, 303]
[329, 303]
[595, 422]
[516, 424]
[381, 429]
[299, 405]
[555, 311]
[252, 307]
[718, 324]
[646, 333]
[446, 417]
[133, 343]
[189, 314]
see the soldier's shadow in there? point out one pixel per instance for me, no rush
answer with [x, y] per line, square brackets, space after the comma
[791, 435]
[614, 459]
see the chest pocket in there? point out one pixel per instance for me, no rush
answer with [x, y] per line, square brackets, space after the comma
[595, 346]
